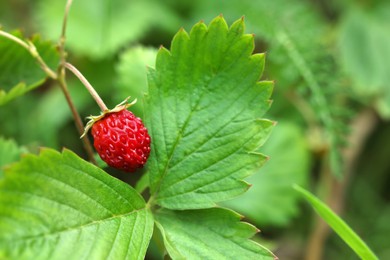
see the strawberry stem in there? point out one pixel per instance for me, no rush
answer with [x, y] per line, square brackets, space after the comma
[62, 82]
[61, 42]
[78, 121]
[30, 47]
[89, 87]
[64, 24]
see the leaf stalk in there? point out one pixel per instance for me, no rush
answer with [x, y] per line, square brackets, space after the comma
[30, 47]
[89, 87]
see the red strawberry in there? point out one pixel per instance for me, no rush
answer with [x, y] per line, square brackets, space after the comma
[122, 140]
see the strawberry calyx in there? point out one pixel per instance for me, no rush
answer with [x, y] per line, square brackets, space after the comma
[93, 119]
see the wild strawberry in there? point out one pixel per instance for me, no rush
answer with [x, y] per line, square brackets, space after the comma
[121, 140]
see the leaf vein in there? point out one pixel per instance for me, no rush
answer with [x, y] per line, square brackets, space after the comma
[48, 199]
[197, 172]
[75, 228]
[115, 239]
[64, 184]
[216, 132]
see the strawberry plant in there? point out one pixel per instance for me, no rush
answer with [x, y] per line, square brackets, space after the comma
[203, 111]
[188, 166]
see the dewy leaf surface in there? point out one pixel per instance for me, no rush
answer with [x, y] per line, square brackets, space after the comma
[19, 71]
[57, 206]
[203, 112]
[214, 233]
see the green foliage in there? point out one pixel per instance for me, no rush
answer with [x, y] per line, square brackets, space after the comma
[25, 71]
[328, 59]
[208, 234]
[100, 28]
[363, 42]
[271, 201]
[56, 201]
[376, 211]
[367, 205]
[9, 152]
[44, 119]
[338, 225]
[132, 74]
[203, 112]
[301, 62]
[55, 204]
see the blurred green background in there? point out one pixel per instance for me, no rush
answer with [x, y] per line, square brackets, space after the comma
[329, 60]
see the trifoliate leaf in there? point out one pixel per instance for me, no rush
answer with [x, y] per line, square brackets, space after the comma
[19, 71]
[214, 233]
[9, 152]
[271, 200]
[203, 113]
[57, 205]
[99, 28]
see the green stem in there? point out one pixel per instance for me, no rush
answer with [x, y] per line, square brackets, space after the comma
[15, 39]
[65, 21]
[89, 87]
[30, 47]
[78, 122]
[62, 82]
[61, 43]
[69, 66]
[150, 203]
[59, 77]
[362, 127]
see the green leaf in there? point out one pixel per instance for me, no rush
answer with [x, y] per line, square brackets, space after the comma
[57, 205]
[99, 28]
[364, 47]
[203, 112]
[9, 152]
[214, 233]
[302, 59]
[132, 71]
[271, 200]
[338, 225]
[19, 71]
[45, 125]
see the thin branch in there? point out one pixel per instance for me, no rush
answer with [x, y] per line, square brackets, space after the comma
[65, 21]
[61, 43]
[78, 122]
[89, 87]
[362, 127]
[30, 47]
[61, 80]
[60, 77]
[15, 39]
